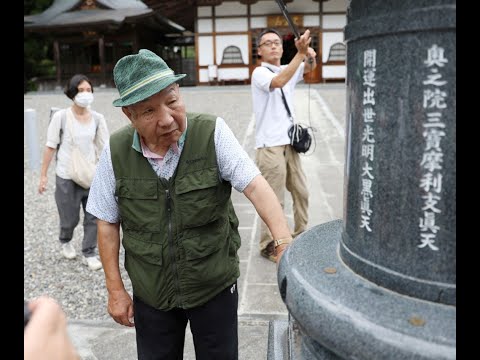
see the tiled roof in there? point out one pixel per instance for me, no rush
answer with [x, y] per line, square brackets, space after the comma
[65, 13]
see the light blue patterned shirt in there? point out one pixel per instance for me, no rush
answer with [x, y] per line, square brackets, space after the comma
[234, 166]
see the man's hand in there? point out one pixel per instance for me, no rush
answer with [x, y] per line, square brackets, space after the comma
[120, 307]
[303, 43]
[311, 54]
[279, 252]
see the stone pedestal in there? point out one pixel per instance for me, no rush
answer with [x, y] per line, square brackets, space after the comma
[381, 282]
[337, 314]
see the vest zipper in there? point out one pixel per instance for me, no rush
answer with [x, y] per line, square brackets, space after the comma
[170, 242]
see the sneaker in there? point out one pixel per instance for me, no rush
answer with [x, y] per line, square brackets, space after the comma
[68, 251]
[92, 262]
[269, 252]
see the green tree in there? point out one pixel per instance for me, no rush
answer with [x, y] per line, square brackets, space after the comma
[37, 54]
[31, 7]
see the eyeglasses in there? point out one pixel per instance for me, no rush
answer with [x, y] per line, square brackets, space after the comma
[270, 43]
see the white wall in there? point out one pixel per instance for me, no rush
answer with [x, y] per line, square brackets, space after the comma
[328, 39]
[301, 6]
[204, 26]
[334, 21]
[233, 73]
[204, 11]
[225, 74]
[335, 5]
[231, 24]
[258, 22]
[271, 7]
[203, 75]
[265, 7]
[311, 20]
[241, 41]
[334, 71]
[205, 50]
[230, 8]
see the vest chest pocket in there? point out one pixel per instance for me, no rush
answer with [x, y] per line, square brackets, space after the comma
[197, 197]
[138, 203]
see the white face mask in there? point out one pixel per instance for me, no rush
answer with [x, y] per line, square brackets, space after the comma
[83, 99]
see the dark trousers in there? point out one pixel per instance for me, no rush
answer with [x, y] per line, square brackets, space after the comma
[214, 325]
[69, 198]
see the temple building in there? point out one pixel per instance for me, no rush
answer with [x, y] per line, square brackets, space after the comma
[213, 41]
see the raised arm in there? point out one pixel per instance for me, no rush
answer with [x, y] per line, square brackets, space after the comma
[286, 74]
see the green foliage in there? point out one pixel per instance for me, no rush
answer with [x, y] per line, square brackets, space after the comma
[37, 50]
[189, 52]
[31, 7]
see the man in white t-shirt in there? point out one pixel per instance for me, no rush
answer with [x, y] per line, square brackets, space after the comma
[278, 162]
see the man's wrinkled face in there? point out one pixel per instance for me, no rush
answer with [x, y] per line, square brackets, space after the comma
[160, 119]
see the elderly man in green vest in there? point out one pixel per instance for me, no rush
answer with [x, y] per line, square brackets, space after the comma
[166, 180]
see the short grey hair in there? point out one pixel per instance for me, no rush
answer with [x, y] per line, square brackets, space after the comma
[267, 31]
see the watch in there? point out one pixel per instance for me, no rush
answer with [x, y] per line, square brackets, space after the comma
[282, 241]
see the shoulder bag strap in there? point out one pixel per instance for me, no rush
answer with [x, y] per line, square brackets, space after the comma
[284, 100]
[63, 119]
[96, 139]
[68, 123]
[96, 118]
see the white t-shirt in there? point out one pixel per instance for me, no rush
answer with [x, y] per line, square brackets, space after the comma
[272, 121]
[84, 135]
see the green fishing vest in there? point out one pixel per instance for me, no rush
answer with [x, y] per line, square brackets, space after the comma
[180, 235]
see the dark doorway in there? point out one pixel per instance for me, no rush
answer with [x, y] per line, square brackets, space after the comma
[289, 49]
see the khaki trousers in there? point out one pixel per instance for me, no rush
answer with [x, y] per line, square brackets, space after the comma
[281, 167]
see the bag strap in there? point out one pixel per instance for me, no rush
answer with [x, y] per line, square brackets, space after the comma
[96, 118]
[286, 106]
[63, 119]
[296, 128]
[69, 127]
[284, 100]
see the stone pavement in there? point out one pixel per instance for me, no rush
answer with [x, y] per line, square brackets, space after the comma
[259, 299]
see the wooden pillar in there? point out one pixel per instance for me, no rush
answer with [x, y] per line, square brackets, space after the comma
[56, 54]
[320, 44]
[114, 51]
[214, 22]
[101, 54]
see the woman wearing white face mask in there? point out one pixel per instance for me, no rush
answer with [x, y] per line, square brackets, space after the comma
[83, 99]
[80, 130]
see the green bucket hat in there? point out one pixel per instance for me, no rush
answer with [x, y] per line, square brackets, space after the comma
[139, 76]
